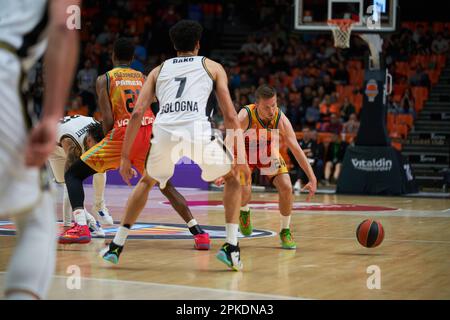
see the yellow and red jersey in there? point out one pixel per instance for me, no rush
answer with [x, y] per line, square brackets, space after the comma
[258, 142]
[124, 85]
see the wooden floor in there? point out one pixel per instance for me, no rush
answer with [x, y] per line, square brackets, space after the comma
[414, 259]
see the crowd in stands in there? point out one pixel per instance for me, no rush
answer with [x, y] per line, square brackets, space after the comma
[320, 87]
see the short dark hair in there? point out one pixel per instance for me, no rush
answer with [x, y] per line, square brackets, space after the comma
[185, 34]
[123, 49]
[265, 91]
[95, 130]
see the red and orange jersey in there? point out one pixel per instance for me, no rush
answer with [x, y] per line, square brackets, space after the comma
[124, 85]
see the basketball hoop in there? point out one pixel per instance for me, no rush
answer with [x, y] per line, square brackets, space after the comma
[341, 29]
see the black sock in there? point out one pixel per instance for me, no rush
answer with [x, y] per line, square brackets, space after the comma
[196, 230]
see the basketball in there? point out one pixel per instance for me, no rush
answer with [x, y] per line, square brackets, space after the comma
[370, 233]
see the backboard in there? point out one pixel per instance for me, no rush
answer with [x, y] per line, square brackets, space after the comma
[370, 16]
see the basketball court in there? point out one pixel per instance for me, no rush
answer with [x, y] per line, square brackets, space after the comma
[328, 263]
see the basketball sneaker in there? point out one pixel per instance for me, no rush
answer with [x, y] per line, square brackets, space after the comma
[111, 253]
[103, 214]
[245, 224]
[202, 241]
[230, 255]
[76, 234]
[95, 229]
[287, 241]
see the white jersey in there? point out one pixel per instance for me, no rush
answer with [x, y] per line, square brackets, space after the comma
[23, 27]
[74, 127]
[182, 89]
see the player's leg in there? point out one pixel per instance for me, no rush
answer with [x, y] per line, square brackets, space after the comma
[103, 156]
[135, 204]
[245, 224]
[99, 184]
[74, 178]
[57, 161]
[32, 264]
[337, 171]
[215, 162]
[328, 168]
[179, 203]
[282, 183]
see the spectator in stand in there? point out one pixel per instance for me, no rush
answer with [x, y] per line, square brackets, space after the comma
[327, 108]
[439, 45]
[333, 126]
[334, 157]
[408, 104]
[392, 106]
[420, 78]
[352, 125]
[250, 47]
[140, 55]
[328, 85]
[310, 149]
[347, 109]
[341, 76]
[265, 47]
[319, 157]
[312, 115]
[86, 78]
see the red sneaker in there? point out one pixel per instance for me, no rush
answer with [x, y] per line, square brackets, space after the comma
[202, 241]
[76, 234]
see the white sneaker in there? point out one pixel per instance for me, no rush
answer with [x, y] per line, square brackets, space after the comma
[103, 214]
[96, 230]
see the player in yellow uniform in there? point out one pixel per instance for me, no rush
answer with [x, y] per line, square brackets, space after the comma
[264, 123]
[118, 90]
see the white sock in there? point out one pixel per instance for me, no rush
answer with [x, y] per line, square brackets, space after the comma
[80, 217]
[232, 232]
[192, 223]
[67, 209]
[285, 222]
[99, 182]
[121, 236]
[245, 208]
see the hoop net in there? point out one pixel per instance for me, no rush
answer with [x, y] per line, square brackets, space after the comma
[341, 29]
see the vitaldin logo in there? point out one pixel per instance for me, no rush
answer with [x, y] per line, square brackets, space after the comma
[372, 165]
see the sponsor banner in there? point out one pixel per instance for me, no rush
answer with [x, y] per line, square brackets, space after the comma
[375, 170]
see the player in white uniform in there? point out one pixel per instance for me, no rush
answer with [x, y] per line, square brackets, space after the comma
[26, 27]
[182, 86]
[76, 134]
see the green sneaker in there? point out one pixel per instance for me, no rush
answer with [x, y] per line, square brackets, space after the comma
[287, 241]
[245, 225]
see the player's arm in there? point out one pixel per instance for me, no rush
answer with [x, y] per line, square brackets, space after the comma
[145, 99]
[72, 151]
[230, 116]
[104, 104]
[288, 134]
[62, 54]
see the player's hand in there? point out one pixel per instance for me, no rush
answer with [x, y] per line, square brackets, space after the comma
[311, 186]
[245, 173]
[126, 171]
[41, 142]
[219, 181]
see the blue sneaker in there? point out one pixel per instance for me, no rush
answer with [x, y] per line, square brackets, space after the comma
[111, 253]
[230, 255]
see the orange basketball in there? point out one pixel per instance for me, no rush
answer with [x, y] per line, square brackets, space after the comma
[370, 233]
